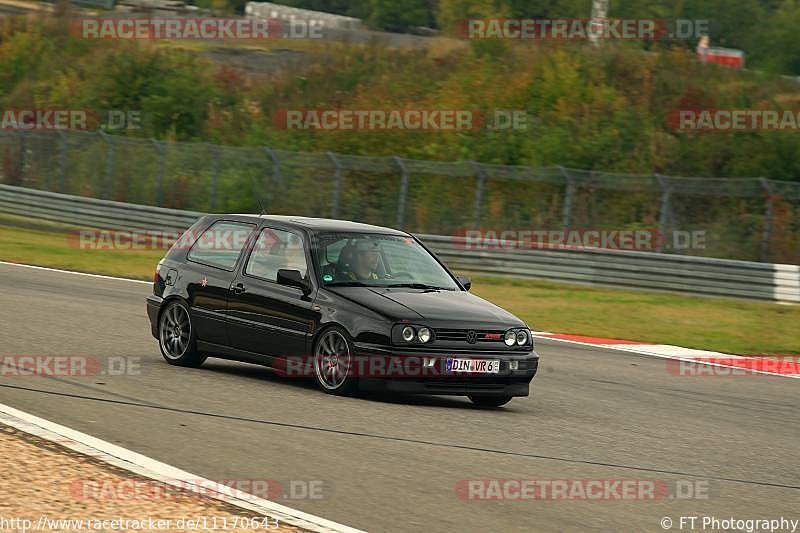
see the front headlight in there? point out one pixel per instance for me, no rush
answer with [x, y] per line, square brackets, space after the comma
[414, 334]
[522, 337]
[510, 337]
[424, 335]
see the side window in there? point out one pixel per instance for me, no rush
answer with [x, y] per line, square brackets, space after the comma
[331, 253]
[404, 258]
[276, 249]
[220, 245]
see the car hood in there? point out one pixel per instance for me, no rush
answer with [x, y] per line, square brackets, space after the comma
[440, 306]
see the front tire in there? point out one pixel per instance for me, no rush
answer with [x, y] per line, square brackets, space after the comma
[176, 336]
[333, 363]
[490, 401]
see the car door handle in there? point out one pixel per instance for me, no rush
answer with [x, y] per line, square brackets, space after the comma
[238, 288]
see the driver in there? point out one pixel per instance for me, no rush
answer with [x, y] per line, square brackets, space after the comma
[365, 265]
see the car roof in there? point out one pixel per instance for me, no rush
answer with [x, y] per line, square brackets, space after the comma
[325, 224]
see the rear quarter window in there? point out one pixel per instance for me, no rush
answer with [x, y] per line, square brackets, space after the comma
[184, 241]
[220, 245]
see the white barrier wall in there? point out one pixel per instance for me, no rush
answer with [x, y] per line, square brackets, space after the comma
[281, 12]
[787, 283]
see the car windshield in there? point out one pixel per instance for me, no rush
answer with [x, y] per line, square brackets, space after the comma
[375, 260]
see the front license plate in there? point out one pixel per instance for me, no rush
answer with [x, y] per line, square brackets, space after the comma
[473, 366]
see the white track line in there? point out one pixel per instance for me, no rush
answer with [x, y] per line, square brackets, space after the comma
[144, 466]
[21, 265]
[150, 468]
[663, 351]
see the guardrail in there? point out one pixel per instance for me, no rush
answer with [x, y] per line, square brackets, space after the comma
[91, 212]
[641, 270]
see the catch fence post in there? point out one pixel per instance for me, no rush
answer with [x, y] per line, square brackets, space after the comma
[768, 216]
[401, 199]
[212, 201]
[569, 193]
[109, 188]
[23, 157]
[337, 188]
[277, 180]
[62, 162]
[664, 211]
[480, 184]
[160, 172]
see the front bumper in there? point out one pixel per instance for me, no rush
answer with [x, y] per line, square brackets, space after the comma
[436, 380]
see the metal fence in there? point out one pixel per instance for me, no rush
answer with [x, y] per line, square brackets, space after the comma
[742, 218]
[695, 275]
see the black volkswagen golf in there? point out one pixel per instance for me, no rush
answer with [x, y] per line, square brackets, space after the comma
[353, 306]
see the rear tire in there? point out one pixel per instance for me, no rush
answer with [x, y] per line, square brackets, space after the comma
[333, 362]
[176, 336]
[495, 400]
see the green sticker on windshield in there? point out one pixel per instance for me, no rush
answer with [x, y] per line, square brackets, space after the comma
[327, 277]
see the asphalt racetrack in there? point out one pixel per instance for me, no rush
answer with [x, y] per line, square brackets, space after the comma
[393, 463]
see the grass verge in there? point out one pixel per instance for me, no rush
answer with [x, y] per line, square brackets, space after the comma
[726, 325]
[45, 244]
[719, 324]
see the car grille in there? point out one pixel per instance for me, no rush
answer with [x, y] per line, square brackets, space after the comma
[460, 335]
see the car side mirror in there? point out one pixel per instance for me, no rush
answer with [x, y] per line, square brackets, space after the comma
[465, 282]
[293, 278]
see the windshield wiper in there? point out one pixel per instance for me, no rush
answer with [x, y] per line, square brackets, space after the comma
[348, 284]
[418, 286]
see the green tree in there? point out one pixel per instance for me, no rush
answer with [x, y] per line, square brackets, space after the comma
[774, 44]
[400, 15]
[451, 12]
[551, 8]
